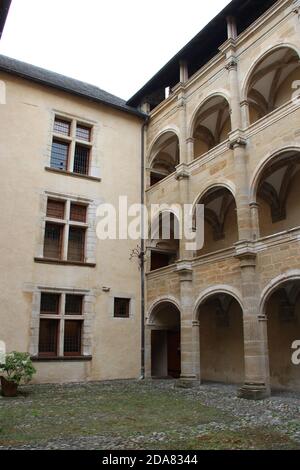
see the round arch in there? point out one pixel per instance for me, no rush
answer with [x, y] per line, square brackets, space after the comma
[164, 299]
[274, 284]
[220, 93]
[167, 130]
[260, 58]
[263, 164]
[215, 290]
[222, 183]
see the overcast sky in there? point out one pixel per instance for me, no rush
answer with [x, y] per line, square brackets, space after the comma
[115, 44]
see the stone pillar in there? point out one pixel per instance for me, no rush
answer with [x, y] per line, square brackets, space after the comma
[184, 74]
[188, 352]
[245, 114]
[196, 349]
[257, 382]
[190, 149]
[254, 207]
[148, 365]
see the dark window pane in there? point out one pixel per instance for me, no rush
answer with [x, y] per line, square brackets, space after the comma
[83, 133]
[74, 304]
[53, 241]
[50, 304]
[59, 155]
[48, 337]
[76, 244]
[72, 339]
[78, 213]
[62, 127]
[81, 159]
[121, 309]
[55, 209]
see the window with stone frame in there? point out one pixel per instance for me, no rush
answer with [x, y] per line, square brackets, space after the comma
[121, 307]
[65, 230]
[71, 146]
[60, 325]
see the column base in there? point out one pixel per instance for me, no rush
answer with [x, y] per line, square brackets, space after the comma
[252, 391]
[186, 381]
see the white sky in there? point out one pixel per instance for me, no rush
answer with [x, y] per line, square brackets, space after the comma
[117, 45]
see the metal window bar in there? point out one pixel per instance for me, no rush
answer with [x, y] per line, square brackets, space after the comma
[53, 241]
[62, 127]
[74, 304]
[81, 159]
[48, 337]
[59, 155]
[121, 308]
[49, 304]
[83, 133]
[55, 209]
[78, 213]
[76, 244]
[72, 337]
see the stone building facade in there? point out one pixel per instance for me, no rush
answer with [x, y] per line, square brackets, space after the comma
[220, 127]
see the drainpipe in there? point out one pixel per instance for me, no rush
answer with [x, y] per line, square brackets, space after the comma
[142, 254]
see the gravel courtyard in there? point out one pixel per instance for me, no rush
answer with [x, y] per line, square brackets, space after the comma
[151, 415]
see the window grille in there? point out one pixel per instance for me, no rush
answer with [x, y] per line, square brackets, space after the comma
[76, 244]
[72, 338]
[121, 308]
[53, 241]
[50, 304]
[83, 133]
[78, 213]
[74, 304]
[59, 155]
[55, 209]
[81, 159]
[48, 339]
[62, 127]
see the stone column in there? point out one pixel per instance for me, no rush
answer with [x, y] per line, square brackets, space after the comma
[190, 149]
[196, 349]
[257, 382]
[148, 365]
[188, 344]
[254, 207]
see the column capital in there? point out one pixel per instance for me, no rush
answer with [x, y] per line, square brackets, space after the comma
[190, 140]
[196, 323]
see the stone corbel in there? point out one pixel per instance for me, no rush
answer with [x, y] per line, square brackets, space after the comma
[231, 64]
[246, 253]
[182, 172]
[236, 139]
[185, 271]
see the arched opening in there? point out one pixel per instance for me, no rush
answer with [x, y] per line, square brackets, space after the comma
[165, 241]
[220, 220]
[221, 339]
[270, 84]
[283, 316]
[278, 194]
[212, 125]
[165, 341]
[164, 157]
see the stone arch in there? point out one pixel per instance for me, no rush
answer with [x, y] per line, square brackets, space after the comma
[164, 156]
[220, 217]
[210, 123]
[165, 338]
[211, 291]
[265, 85]
[164, 246]
[264, 163]
[275, 186]
[280, 306]
[272, 286]
[219, 314]
[167, 298]
[191, 125]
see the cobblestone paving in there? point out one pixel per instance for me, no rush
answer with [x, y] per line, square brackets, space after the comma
[146, 415]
